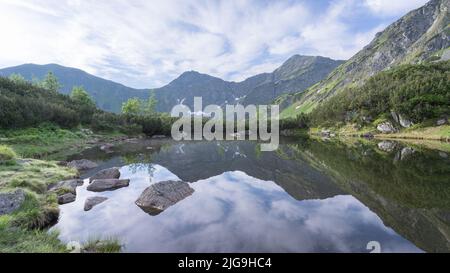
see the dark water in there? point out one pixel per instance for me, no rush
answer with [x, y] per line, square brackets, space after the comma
[308, 196]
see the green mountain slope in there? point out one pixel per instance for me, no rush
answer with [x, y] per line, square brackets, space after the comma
[423, 35]
[108, 95]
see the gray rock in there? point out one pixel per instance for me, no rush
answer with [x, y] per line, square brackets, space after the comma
[441, 122]
[387, 146]
[287, 133]
[404, 122]
[386, 128]
[443, 155]
[67, 185]
[101, 185]
[112, 173]
[325, 133]
[158, 136]
[93, 201]
[107, 147]
[395, 116]
[368, 135]
[66, 198]
[406, 152]
[82, 164]
[158, 197]
[12, 201]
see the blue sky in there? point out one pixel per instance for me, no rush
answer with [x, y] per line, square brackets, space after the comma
[144, 44]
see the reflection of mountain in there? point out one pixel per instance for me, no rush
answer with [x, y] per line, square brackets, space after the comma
[197, 161]
[411, 196]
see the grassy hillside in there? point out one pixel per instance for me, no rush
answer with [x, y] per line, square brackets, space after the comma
[417, 92]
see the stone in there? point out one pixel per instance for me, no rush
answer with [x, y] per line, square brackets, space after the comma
[11, 201]
[387, 146]
[404, 122]
[442, 122]
[158, 136]
[158, 197]
[368, 135]
[106, 147]
[443, 155]
[82, 164]
[66, 198]
[406, 152]
[325, 133]
[112, 173]
[67, 185]
[101, 185]
[91, 202]
[386, 128]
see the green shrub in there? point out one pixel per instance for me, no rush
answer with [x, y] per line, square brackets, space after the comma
[418, 92]
[6, 154]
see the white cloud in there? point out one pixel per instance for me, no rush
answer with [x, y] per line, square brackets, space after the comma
[148, 43]
[393, 7]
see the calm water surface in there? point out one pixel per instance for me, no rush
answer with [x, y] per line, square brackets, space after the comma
[306, 197]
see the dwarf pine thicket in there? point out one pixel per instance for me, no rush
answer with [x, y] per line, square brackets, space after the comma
[24, 104]
[418, 92]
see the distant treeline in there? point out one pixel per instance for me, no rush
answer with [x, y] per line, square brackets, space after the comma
[417, 92]
[29, 104]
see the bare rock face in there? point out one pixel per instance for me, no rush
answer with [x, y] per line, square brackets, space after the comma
[158, 197]
[66, 198]
[112, 173]
[82, 164]
[10, 202]
[101, 185]
[93, 201]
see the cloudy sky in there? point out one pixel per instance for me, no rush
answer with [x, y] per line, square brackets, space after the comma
[148, 43]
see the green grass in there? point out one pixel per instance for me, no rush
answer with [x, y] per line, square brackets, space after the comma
[49, 141]
[108, 245]
[25, 230]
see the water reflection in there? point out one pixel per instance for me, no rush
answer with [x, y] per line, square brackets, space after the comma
[232, 212]
[306, 197]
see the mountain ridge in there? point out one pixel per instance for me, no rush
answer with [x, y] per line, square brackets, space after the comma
[421, 35]
[259, 89]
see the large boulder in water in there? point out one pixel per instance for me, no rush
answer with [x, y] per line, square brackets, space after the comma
[91, 202]
[112, 173]
[11, 201]
[158, 197]
[101, 185]
[66, 198]
[82, 164]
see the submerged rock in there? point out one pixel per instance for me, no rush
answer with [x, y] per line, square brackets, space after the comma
[100, 185]
[112, 173]
[386, 128]
[82, 164]
[66, 198]
[11, 201]
[158, 197]
[93, 201]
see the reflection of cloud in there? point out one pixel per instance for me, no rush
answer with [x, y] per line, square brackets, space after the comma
[232, 212]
